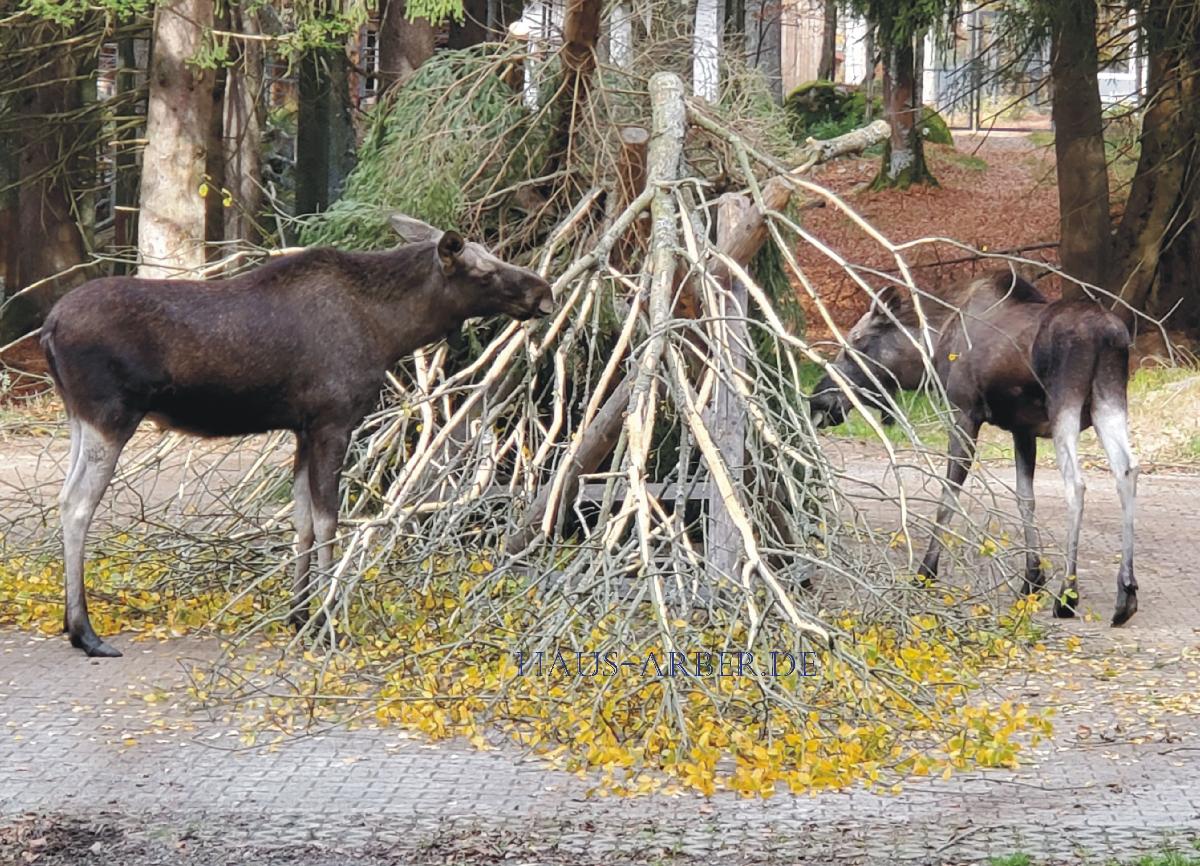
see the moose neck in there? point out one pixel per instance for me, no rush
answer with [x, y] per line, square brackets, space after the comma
[409, 301]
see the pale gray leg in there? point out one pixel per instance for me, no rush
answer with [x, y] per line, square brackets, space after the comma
[1025, 449]
[1065, 429]
[95, 463]
[1112, 429]
[328, 452]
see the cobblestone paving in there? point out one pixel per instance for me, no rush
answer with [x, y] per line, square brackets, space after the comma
[90, 773]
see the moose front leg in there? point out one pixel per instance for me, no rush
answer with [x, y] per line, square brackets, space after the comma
[327, 453]
[962, 452]
[1025, 449]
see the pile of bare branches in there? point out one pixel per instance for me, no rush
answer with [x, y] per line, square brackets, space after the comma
[645, 457]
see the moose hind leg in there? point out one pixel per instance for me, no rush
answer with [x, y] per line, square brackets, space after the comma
[72, 467]
[303, 519]
[1109, 418]
[1025, 449]
[94, 465]
[1066, 425]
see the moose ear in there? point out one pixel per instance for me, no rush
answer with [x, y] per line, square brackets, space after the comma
[413, 230]
[889, 297]
[450, 246]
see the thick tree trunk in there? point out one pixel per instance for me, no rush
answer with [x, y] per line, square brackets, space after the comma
[171, 225]
[827, 67]
[581, 33]
[46, 237]
[1157, 266]
[764, 42]
[324, 129]
[403, 45]
[1084, 229]
[904, 154]
[9, 214]
[244, 126]
[214, 158]
[472, 30]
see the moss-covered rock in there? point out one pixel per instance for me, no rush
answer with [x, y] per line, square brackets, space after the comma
[934, 128]
[816, 101]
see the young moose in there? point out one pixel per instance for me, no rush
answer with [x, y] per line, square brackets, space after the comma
[302, 343]
[1007, 356]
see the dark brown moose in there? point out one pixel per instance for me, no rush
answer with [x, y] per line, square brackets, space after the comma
[301, 343]
[1006, 356]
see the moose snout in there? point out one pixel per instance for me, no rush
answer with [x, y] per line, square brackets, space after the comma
[539, 297]
[827, 405]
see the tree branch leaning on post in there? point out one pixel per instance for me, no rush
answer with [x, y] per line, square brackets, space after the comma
[597, 439]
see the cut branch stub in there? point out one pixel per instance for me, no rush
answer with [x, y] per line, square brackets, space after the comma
[631, 180]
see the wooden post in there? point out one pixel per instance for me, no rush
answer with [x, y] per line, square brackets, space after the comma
[728, 424]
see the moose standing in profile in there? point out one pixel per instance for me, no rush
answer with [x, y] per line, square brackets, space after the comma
[1006, 356]
[302, 343]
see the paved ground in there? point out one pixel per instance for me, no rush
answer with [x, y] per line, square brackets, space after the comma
[91, 773]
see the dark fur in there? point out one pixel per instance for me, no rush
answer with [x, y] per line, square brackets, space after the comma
[1006, 356]
[302, 343]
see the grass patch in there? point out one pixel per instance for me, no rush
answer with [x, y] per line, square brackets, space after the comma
[1011, 860]
[1163, 858]
[965, 160]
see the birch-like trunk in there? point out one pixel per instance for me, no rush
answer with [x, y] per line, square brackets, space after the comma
[172, 213]
[706, 50]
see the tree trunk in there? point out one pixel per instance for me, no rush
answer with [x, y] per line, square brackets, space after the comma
[403, 45]
[1085, 232]
[171, 226]
[127, 175]
[764, 42]
[904, 153]
[620, 35]
[1158, 240]
[324, 129]
[214, 158]
[244, 127]
[46, 238]
[472, 30]
[9, 214]
[827, 67]
[581, 33]
[706, 50]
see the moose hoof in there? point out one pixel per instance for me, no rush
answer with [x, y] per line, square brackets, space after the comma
[1064, 609]
[1126, 607]
[94, 647]
[103, 650]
